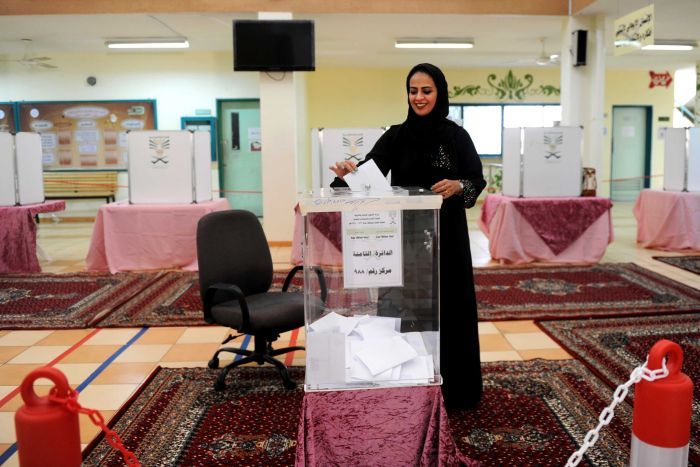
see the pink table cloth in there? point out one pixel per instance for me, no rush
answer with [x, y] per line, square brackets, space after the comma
[18, 235]
[668, 220]
[557, 230]
[324, 239]
[134, 237]
[377, 427]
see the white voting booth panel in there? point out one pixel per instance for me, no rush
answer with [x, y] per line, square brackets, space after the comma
[21, 172]
[682, 159]
[379, 325]
[330, 145]
[542, 162]
[169, 166]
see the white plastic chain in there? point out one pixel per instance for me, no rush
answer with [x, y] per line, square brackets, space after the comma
[606, 416]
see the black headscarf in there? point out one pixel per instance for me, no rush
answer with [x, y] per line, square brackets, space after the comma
[429, 128]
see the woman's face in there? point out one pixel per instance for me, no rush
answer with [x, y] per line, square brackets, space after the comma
[422, 93]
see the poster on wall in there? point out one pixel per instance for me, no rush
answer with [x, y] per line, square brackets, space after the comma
[86, 135]
[7, 118]
[255, 139]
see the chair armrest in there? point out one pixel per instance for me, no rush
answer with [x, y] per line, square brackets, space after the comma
[319, 273]
[235, 292]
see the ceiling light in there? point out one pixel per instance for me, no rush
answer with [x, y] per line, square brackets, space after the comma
[435, 43]
[148, 43]
[661, 44]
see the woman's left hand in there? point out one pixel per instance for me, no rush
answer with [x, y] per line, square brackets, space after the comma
[447, 188]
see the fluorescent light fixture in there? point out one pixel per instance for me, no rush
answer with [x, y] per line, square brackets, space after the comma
[434, 43]
[661, 44]
[148, 43]
[627, 43]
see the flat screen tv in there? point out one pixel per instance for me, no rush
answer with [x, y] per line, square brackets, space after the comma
[273, 45]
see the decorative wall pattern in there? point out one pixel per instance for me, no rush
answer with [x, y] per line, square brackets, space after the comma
[509, 87]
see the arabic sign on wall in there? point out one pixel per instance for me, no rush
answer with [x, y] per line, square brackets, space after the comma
[634, 31]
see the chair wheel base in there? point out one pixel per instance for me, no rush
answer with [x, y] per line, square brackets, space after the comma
[213, 363]
[219, 385]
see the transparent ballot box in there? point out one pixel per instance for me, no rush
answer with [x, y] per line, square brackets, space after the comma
[371, 281]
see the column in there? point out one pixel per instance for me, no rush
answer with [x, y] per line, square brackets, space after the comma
[583, 87]
[278, 126]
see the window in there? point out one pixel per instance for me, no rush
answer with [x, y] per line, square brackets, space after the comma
[485, 122]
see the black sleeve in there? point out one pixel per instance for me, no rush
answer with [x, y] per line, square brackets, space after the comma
[380, 153]
[471, 173]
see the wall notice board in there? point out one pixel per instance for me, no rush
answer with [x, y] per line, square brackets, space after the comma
[86, 135]
[7, 117]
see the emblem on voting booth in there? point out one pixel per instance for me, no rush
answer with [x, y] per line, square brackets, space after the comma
[159, 145]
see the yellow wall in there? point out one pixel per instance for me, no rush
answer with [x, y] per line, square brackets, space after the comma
[340, 98]
[344, 97]
[631, 87]
[366, 98]
[349, 97]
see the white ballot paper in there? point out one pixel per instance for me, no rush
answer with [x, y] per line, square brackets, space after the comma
[367, 177]
[380, 355]
[378, 327]
[420, 368]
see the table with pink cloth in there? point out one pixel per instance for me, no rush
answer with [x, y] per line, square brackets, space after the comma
[392, 426]
[668, 220]
[18, 235]
[130, 237]
[557, 230]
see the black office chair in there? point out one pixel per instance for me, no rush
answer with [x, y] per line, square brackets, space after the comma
[235, 274]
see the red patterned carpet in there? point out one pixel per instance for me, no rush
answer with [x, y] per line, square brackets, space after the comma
[174, 300]
[565, 292]
[689, 263]
[557, 292]
[171, 298]
[530, 416]
[612, 348]
[64, 301]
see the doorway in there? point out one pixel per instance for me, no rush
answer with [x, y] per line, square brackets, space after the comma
[240, 149]
[202, 124]
[631, 151]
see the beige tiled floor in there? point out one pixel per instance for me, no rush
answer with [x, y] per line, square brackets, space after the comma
[67, 243]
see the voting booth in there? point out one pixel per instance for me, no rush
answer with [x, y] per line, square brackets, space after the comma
[542, 162]
[169, 166]
[21, 173]
[373, 321]
[330, 145]
[682, 159]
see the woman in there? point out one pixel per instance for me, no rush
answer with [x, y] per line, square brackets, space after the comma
[432, 152]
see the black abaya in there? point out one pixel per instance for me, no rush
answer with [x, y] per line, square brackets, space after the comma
[421, 152]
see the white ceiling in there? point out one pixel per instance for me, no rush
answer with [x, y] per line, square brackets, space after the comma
[366, 40]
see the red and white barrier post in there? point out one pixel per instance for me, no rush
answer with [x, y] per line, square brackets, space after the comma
[47, 427]
[662, 411]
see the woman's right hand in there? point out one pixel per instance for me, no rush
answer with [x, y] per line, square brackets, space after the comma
[342, 168]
